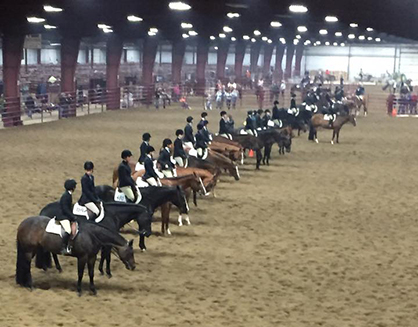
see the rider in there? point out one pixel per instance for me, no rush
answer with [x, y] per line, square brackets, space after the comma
[89, 198]
[339, 93]
[201, 142]
[126, 183]
[164, 159]
[189, 138]
[250, 127]
[258, 119]
[179, 155]
[293, 101]
[66, 217]
[150, 175]
[360, 91]
[224, 129]
[266, 119]
[146, 137]
[202, 118]
[206, 133]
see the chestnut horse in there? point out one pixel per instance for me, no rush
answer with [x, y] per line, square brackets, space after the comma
[318, 121]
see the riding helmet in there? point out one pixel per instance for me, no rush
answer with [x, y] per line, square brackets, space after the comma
[249, 112]
[125, 154]
[167, 142]
[70, 184]
[179, 132]
[223, 113]
[146, 137]
[189, 119]
[150, 149]
[204, 114]
[88, 165]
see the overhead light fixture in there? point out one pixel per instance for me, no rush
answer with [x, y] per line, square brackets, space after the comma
[193, 33]
[103, 26]
[134, 19]
[370, 38]
[269, 41]
[362, 37]
[295, 41]
[50, 27]
[222, 35]
[186, 25]
[331, 19]
[232, 15]
[227, 29]
[335, 44]
[265, 38]
[338, 34]
[378, 39]
[282, 40]
[307, 42]
[181, 6]
[298, 37]
[151, 33]
[216, 48]
[351, 36]
[35, 20]
[55, 44]
[185, 36]
[302, 29]
[107, 30]
[323, 32]
[233, 39]
[275, 24]
[253, 40]
[369, 29]
[153, 30]
[327, 43]
[52, 9]
[212, 37]
[342, 44]
[298, 9]
[257, 33]
[245, 37]
[318, 42]
[353, 25]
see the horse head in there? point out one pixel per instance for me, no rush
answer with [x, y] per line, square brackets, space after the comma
[144, 222]
[126, 254]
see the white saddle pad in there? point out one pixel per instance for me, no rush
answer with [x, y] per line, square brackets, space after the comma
[82, 211]
[120, 196]
[270, 123]
[193, 152]
[140, 183]
[139, 166]
[54, 227]
[278, 123]
[329, 117]
[243, 132]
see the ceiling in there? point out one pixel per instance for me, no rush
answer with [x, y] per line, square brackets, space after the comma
[392, 20]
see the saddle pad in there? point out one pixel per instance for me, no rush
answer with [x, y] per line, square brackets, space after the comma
[140, 183]
[278, 123]
[193, 152]
[329, 117]
[54, 227]
[120, 196]
[139, 167]
[82, 211]
[243, 132]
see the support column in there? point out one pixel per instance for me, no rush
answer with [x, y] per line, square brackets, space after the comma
[268, 53]
[202, 53]
[298, 59]
[278, 71]
[223, 48]
[178, 50]
[240, 47]
[69, 54]
[255, 54]
[12, 56]
[148, 62]
[290, 50]
[114, 50]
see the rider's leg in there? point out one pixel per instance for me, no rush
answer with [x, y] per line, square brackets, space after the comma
[129, 194]
[91, 206]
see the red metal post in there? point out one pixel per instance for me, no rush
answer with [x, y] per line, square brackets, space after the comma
[290, 50]
[240, 47]
[69, 53]
[255, 54]
[298, 59]
[268, 54]
[279, 59]
[201, 60]
[223, 48]
[148, 62]
[113, 56]
[178, 50]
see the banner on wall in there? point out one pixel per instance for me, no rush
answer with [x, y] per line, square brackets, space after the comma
[33, 41]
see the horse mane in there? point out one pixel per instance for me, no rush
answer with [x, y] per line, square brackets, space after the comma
[104, 230]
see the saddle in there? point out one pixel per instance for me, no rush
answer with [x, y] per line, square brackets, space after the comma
[120, 196]
[330, 117]
[80, 210]
[54, 227]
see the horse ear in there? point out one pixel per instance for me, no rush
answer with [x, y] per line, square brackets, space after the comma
[131, 243]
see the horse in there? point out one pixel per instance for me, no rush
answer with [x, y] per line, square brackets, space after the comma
[253, 143]
[32, 239]
[117, 215]
[359, 102]
[233, 152]
[215, 161]
[318, 121]
[209, 180]
[270, 136]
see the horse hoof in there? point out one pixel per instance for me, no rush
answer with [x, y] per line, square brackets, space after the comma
[316, 141]
[143, 250]
[93, 292]
[59, 270]
[168, 232]
[332, 142]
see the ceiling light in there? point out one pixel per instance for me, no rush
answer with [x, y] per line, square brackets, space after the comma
[212, 37]
[151, 33]
[193, 33]
[233, 39]
[50, 27]
[282, 40]
[245, 37]
[253, 40]
[179, 6]
[323, 32]
[107, 30]
[335, 44]
[275, 24]
[52, 9]
[185, 36]
[103, 26]
[369, 29]
[269, 41]
[370, 38]
[186, 25]
[307, 42]
[353, 25]
[257, 33]
[298, 9]
[222, 35]
[216, 48]
[265, 38]
[361, 37]
[233, 15]
[342, 44]
[302, 29]
[331, 19]
[134, 19]
[318, 42]
[55, 44]
[227, 29]
[351, 36]
[338, 34]
[35, 20]
[153, 30]
[378, 39]
[298, 37]
[295, 41]
[327, 43]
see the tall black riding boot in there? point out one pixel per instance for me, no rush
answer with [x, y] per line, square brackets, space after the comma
[65, 240]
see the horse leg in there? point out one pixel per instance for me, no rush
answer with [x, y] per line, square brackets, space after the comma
[23, 274]
[268, 149]
[338, 136]
[90, 265]
[142, 243]
[57, 263]
[259, 157]
[333, 136]
[108, 251]
[102, 259]
[81, 263]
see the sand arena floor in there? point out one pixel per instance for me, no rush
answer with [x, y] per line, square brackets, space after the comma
[324, 236]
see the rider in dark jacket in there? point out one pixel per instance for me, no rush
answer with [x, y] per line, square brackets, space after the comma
[146, 137]
[188, 131]
[66, 216]
[126, 183]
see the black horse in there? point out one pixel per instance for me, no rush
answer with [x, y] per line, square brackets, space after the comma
[283, 138]
[117, 215]
[32, 239]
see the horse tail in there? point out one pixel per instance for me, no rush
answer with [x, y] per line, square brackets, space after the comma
[43, 259]
[23, 275]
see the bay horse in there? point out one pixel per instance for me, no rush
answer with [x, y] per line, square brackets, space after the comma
[216, 161]
[32, 239]
[318, 121]
[358, 104]
[235, 153]
[209, 180]
[117, 215]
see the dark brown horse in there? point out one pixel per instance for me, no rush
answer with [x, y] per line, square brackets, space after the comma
[318, 121]
[233, 152]
[215, 161]
[32, 239]
[209, 180]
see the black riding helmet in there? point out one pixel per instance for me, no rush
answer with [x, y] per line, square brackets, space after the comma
[189, 119]
[88, 165]
[204, 114]
[179, 132]
[223, 113]
[150, 149]
[146, 137]
[249, 112]
[167, 142]
[70, 184]
[125, 154]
